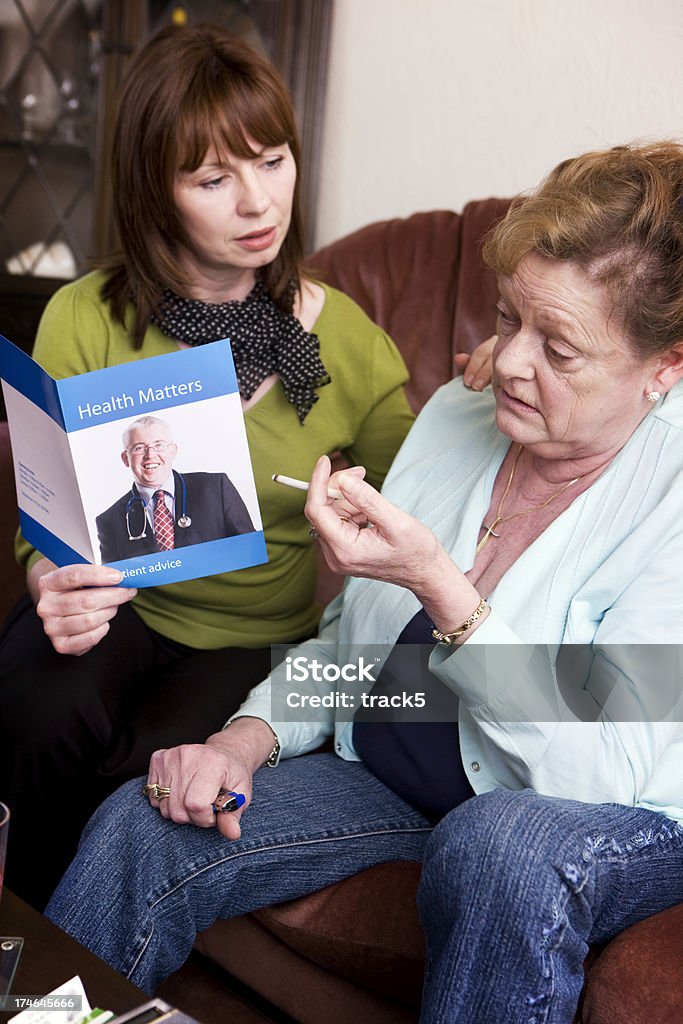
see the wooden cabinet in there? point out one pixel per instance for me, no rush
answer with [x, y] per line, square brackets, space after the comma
[60, 65]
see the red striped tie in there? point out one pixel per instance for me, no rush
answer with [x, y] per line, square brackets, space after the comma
[163, 522]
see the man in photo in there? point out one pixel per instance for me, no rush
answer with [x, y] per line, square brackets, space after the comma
[165, 509]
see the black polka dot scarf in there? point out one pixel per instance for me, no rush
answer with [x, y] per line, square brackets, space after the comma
[264, 340]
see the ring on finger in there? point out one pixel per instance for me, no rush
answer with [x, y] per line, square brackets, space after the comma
[157, 791]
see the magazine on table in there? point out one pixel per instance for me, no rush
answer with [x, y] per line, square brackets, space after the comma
[144, 466]
[69, 1004]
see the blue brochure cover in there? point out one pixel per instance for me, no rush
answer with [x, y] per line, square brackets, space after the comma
[92, 454]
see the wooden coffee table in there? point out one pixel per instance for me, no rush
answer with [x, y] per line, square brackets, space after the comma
[50, 957]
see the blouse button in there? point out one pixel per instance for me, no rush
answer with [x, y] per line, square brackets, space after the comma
[475, 766]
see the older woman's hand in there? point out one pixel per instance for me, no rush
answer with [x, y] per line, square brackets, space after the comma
[195, 772]
[76, 603]
[395, 548]
[345, 509]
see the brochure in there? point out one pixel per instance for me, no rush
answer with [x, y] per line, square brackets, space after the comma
[144, 466]
[68, 1004]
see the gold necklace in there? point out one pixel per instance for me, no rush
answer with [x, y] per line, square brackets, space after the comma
[490, 530]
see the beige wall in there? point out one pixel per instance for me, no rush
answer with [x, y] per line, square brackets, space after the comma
[434, 102]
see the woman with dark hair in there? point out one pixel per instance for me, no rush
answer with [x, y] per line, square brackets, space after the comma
[206, 201]
[530, 542]
[196, 102]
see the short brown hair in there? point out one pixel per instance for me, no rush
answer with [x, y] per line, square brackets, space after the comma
[618, 215]
[187, 89]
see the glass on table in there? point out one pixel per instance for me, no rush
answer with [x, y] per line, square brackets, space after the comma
[10, 945]
[4, 829]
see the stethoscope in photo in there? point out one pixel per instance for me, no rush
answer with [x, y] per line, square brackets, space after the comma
[137, 502]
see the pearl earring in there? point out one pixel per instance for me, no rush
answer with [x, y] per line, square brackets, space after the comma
[653, 396]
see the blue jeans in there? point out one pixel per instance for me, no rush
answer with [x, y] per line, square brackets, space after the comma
[141, 887]
[515, 885]
[514, 888]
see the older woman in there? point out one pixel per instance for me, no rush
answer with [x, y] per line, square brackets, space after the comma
[533, 539]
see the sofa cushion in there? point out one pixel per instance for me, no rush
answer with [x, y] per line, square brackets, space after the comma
[421, 278]
[365, 928]
[638, 976]
[298, 987]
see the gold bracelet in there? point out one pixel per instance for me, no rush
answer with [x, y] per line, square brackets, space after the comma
[449, 638]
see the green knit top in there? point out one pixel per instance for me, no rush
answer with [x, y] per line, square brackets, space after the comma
[363, 413]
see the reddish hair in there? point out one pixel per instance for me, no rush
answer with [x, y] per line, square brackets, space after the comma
[618, 215]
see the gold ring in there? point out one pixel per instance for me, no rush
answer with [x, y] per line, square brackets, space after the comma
[155, 790]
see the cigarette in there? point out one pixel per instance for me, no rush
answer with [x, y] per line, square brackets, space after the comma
[303, 485]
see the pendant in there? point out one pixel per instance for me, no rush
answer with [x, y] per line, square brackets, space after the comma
[184, 522]
[490, 532]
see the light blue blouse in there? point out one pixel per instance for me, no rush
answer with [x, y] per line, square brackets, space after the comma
[573, 684]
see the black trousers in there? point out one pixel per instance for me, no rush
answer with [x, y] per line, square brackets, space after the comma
[72, 729]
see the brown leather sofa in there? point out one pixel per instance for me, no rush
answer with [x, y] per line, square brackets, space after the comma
[354, 952]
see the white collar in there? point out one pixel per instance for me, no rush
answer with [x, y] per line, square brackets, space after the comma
[147, 492]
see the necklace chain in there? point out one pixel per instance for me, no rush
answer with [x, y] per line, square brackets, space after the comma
[490, 530]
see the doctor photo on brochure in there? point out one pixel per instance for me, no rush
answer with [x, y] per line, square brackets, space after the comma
[529, 540]
[95, 676]
[165, 509]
